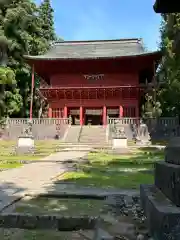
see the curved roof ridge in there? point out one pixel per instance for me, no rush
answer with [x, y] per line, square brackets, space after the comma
[78, 42]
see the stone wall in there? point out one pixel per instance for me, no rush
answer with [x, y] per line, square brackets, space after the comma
[41, 128]
[159, 129]
[48, 128]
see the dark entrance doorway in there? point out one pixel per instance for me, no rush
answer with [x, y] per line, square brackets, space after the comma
[93, 120]
[93, 117]
[74, 113]
[113, 112]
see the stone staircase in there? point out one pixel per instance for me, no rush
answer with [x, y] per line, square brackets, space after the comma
[93, 135]
[73, 134]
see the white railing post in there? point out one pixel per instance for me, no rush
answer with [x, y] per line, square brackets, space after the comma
[107, 130]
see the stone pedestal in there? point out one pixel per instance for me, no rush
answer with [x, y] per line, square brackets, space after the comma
[161, 201]
[120, 143]
[143, 142]
[25, 145]
[119, 146]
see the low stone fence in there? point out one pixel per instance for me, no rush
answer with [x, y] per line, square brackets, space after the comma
[47, 128]
[159, 128]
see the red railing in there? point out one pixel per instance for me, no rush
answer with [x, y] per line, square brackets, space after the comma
[92, 92]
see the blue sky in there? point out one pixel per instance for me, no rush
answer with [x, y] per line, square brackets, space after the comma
[107, 19]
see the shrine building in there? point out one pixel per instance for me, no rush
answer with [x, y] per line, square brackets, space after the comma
[90, 80]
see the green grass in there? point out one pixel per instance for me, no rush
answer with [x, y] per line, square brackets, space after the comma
[108, 171]
[115, 180]
[9, 158]
[10, 165]
[45, 205]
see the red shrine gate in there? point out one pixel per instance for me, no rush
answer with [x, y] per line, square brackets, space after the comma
[90, 80]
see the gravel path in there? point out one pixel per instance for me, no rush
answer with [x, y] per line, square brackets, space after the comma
[32, 177]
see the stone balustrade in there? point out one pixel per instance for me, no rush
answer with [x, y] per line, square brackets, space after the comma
[46, 128]
[159, 129]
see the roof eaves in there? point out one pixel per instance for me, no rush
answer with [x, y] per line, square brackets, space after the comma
[44, 57]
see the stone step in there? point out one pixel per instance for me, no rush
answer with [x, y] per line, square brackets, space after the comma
[162, 215]
[82, 144]
[91, 134]
[73, 134]
[167, 179]
[98, 234]
[93, 139]
[94, 146]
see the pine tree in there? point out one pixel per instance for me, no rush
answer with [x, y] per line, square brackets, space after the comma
[46, 15]
[47, 28]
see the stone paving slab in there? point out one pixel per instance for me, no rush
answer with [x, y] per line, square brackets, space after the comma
[73, 190]
[78, 148]
[7, 201]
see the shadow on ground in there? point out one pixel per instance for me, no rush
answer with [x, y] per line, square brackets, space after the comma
[91, 177]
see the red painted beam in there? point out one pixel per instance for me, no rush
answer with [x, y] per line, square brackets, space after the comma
[91, 87]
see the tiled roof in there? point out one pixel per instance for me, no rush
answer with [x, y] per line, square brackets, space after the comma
[93, 49]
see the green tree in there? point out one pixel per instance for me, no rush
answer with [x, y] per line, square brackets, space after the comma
[21, 25]
[7, 79]
[7, 82]
[169, 71]
[46, 15]
[151, 107]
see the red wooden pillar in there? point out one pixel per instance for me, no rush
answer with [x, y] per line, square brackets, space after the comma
[32, 93]
[104, 115]
[65, 112]
[81, 115]
[120, 111]
[50, 113]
